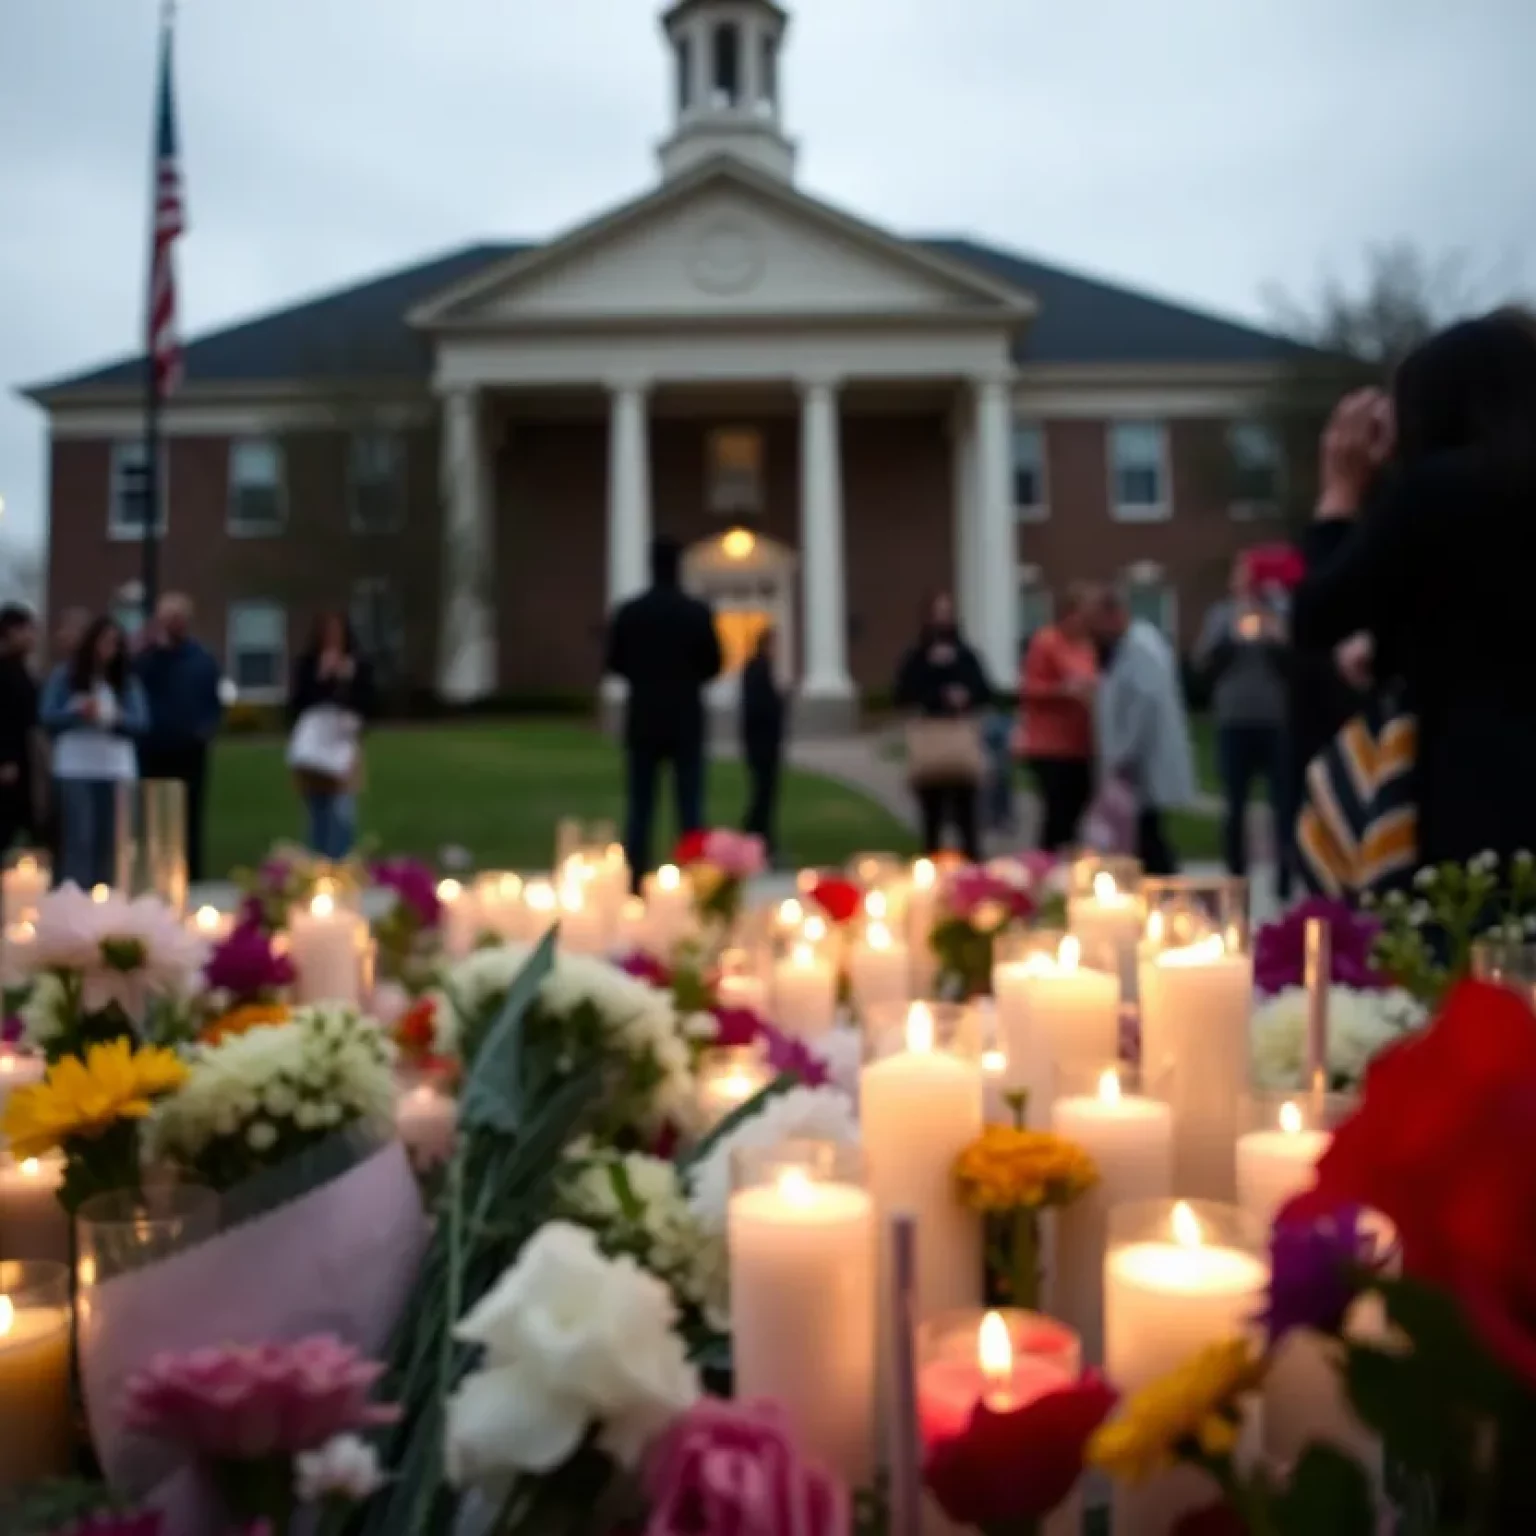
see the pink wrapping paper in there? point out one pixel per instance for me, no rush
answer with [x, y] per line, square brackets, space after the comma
[341, 1259]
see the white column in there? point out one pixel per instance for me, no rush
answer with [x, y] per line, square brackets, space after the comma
[967, 595]
[467, 646]
[996, 636]
[821, 534]
[629, 492]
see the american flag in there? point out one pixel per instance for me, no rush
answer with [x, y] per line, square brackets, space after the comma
[169, 223]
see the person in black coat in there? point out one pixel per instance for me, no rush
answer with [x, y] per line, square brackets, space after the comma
[18, 727]
[942, 677]
[1437, 571]
[762, 739]
[663, 644]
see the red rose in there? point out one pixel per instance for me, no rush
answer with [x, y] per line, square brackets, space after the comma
[1444, 1144]
[1018, 1465]
[690, 848]
[839, 899]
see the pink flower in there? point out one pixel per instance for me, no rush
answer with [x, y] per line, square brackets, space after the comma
[250, 1402]
[741, 1026]
[247, 965]
[988, 898]
[738, 855]
[732, 1469]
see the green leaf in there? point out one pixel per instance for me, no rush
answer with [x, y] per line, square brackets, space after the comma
[1393, 1396]
[493, 1096]
[1444, 1346]
[1328, 1492]
[737, 1117]
[623, 1192]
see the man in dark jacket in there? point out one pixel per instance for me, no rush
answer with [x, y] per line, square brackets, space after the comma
[181, 683]
[18, 727]
[663, 644]
[762, 739]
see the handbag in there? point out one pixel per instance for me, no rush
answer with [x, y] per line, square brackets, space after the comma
[944, 751]
[324, 743]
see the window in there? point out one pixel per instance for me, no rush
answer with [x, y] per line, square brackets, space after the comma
[127, 506]
[727, 65]
[1037, 603]
[1151, 596]
[684, 73]
[1029, 494]
[734, 486]
[375, 615]
[257, 496]
[768, 82]
[378, 482]
[1254, 451]
[1138, 488]
[258, 648]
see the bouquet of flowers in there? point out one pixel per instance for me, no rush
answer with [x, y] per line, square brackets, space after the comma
[408, 934]
[290, 875]
[976, 904]
[1360, 1023]
[247, 977]
[719, 864]
[1279, 948]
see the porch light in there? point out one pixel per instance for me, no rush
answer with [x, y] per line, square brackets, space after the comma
[738, 544]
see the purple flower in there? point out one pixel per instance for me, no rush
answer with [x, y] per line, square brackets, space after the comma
[114, 1523]
[12, 1029]
[647, 968]
[1315, 1265]
[414, 885]
[1279, 949]
[785, 1054]
[246, 964]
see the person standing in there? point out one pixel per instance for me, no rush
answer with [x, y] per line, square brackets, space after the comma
[664, 646]
[762, 739]
[330, 699]
[95, 710]
[65, 640]
[1242, 649]
[1141, 725]
[18, 727]
[181, 684]
[1056, 691]
[942, 680]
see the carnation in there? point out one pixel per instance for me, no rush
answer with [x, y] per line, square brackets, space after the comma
[802, 1114]
[1359, 1025]
[247, 966]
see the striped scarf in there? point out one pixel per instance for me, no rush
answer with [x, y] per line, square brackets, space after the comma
[1358, 829]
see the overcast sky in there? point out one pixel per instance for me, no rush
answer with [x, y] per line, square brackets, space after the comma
[1208, 149]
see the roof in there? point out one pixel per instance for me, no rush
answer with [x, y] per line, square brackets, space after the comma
[362, 331]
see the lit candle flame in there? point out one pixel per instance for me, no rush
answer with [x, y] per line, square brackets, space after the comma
[878, 936]
[1186, 1227]
[924, 874]
[99, 893]
[1109, 1086]
[7, 1315]
[791, 913]
[540, 895]
[920, 1029]
[449, 891]
[875, 905]
[804, 956]
[795, 1186]
[994, 1352]
[323, 905]
[30, 1167]
[1104, 887]
[1155, 928]
[815, 929]
[994, 1062]
[1290, 1119]
[510, 886]
[1069, 953]
[1201, 952]
[668, 878]
[207, 919]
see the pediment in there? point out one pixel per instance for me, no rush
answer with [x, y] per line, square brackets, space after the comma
[722, 241]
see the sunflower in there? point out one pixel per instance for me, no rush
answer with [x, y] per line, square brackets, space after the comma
[85, 1098]
[248, 1016]
[1193, 1410]
[1006, 1169]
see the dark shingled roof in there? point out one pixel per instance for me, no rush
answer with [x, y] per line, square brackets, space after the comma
[361, 331]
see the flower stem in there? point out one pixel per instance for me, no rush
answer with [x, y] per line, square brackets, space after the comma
[1024, 1259]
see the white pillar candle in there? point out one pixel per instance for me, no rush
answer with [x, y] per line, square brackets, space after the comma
[1075, 1010]
[1021, 1036]
[921, 905]
[634, 932]
[19, 1069]
[324, 945]
[426, 1120]
[802, 1276]
[878, 969]
[24, 883]
[1108, 922]
[920, 1106]
[741, 983]
[496, 906]
[19, 938]
[211, 925]
[727, 1077]
[1195, 1007]
[582, 930]
[538, 913]
[1273, 1164]
[669, 904]
[805, 992]
[1130, 1139]
[1174, 1282]
[32, 1222]
[36, 1430]
[460, 918]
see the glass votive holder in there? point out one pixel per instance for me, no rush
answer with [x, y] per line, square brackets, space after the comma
[741, 981]
[36, 1434]
[801, 1239]
[1103, 875]
[890, 1028]
[1506, 963]
[33, 1225]
[1105, 912]
[210, 925]
[124, 1230]
[1188, 913]
[1005, 1358]
[729, 1076]
[1284, 1136]
[25, 878]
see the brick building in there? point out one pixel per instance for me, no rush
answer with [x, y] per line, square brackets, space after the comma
[471, 454]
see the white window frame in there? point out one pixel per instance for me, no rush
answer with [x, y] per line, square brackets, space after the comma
[1030, 578]
[374, 586]
[1138, 512]
[132, 532]
[1243, 511]
[279, 689]
[1040, 510]
[238, 528]
[1150, 575]
[401, 454]
[759, 503]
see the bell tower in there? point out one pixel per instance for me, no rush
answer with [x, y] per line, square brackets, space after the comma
[726, 78]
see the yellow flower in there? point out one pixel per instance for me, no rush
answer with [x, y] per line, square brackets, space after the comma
[1006, 1168]
[1194, 1408]
[85, 1098]
[238, 1020]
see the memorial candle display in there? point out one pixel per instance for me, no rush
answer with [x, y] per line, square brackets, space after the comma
[324, 944]
[921, 904]
[800, 1229]
[426, 1119]
[878, 969]
[497, 906]
[728, 1076]
[669, 907]
[1073, 1010]
[25, 881]
[1177, 1277]
[740, 983]
[32, 1222]
[19, 937]
[1276, 1160]
[460, 918]
[1019, 958]
[583, 930]
[1130, 1139]
[920, 1106]
[1196, 1002]
[211, 925]
[1105, 914]
[36, 1442]
[805, 991]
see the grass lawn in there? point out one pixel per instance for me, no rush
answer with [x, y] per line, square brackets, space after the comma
[499, 789]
